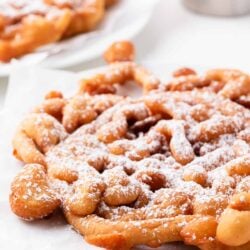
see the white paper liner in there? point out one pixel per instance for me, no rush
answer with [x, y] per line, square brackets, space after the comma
[27, 88]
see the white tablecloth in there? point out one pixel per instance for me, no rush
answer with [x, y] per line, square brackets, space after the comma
[177, 35]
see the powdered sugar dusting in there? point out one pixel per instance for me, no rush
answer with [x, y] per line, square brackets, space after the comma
[154, 162]
[146, 158]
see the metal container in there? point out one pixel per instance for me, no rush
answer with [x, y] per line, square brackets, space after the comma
[219, 7]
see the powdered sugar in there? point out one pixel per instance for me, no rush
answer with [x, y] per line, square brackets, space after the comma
[214, 155]
[130, 170]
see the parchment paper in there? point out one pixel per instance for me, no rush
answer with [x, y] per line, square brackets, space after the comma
[26, 89]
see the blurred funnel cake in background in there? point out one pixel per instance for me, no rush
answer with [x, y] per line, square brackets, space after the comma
[28, 24]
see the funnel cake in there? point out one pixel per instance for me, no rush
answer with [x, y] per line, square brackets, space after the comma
[170, 165]
[28, 24]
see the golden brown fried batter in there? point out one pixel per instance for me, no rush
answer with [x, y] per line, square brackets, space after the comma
[170, 165]
[27, 25]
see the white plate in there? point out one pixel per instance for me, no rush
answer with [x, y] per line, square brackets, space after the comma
[122, 21]
[24, 92]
